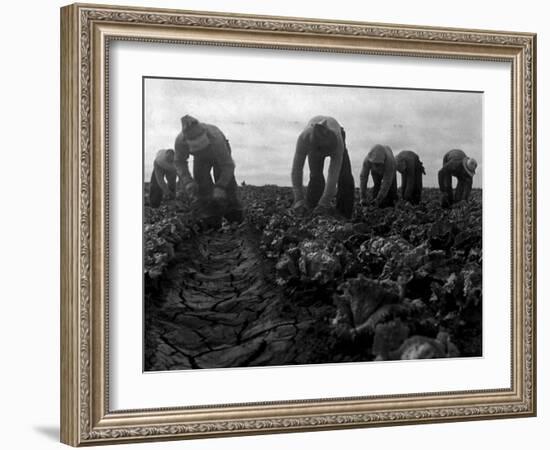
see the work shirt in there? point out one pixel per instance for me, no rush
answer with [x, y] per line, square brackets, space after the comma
[163, 165]
[216, 153]
[453, 164]
[409, 160]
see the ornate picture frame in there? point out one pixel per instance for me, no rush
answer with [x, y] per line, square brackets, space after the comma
[86, 34]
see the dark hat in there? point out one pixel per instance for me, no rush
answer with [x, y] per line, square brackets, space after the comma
[191, 127]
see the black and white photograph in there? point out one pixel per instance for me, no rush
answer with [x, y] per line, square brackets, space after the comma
[305, 224]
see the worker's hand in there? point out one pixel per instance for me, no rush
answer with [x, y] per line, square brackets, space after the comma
[219, 193]
[300, 207]
[365, 201]
[191, 189]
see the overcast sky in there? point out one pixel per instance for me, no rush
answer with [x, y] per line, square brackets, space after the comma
[262, 122]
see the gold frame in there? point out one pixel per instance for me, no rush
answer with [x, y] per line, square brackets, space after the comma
[86, 31]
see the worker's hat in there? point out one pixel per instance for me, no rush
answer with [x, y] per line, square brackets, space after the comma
[470, 165]
[194, 133]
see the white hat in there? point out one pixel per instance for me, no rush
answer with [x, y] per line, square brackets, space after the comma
[470, 165]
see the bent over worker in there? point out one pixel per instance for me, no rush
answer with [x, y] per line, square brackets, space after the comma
[456, 164]
[381, 162]
[323, 137]
[410, 167]
[163, 178]
[216, 197]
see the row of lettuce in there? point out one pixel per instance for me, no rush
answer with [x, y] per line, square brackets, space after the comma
[405, 282]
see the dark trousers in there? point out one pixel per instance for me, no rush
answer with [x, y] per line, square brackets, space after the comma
[391, 197]
[345, 192]
[462, 191]
[155, 191]
[232, 210]
[412, 193]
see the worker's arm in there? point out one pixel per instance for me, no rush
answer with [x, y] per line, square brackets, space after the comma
[159, 176]
[297, 174]
[467, 188]
[333, 175]
[387, 178]
[181, 161]
[364, 178]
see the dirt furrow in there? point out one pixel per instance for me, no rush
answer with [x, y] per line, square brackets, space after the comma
[219, 307]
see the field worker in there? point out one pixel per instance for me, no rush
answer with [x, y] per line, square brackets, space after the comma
[456, 164]
[217, 198]
[323, 137]
[381, 163]
[163, 178]
[410, 167]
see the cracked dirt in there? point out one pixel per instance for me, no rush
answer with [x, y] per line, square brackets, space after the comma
[219, 307]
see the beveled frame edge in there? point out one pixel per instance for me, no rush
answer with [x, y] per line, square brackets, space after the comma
[85, 29]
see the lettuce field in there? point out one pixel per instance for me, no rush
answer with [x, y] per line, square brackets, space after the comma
[279, 289]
